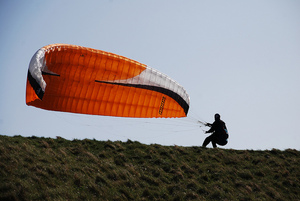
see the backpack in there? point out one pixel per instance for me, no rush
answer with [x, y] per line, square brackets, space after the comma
[223, 138]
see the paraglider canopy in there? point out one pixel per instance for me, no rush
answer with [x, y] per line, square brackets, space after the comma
[76, 79]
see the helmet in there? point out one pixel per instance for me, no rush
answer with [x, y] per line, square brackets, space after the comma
[217, 116]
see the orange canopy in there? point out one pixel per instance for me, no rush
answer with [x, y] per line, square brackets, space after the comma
[76, 79]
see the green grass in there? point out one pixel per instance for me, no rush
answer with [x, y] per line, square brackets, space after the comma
[57, 169]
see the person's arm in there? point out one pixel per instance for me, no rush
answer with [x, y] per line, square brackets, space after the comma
[212, 129]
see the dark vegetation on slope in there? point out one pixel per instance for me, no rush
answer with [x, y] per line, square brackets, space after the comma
[57, 169]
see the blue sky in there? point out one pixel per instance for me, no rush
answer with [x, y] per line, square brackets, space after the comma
[237, 58]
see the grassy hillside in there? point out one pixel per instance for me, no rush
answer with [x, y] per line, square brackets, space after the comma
[58, 169]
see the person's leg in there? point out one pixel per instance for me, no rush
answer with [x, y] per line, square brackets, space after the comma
[207, 140]
[214, 143]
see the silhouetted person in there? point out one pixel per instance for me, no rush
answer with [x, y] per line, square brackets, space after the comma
[219, 133]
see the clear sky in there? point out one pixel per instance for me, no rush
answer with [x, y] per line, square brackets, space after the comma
[238, 58]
